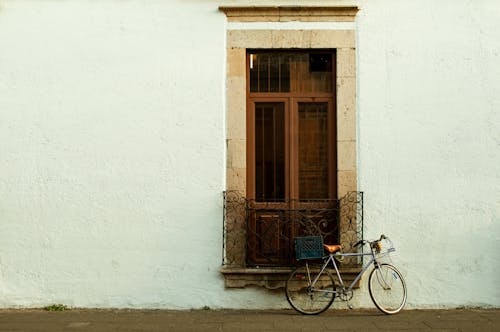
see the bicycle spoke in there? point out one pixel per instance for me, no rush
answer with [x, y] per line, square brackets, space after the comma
[307, 298]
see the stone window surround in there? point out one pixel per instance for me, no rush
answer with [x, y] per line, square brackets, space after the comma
[238, 41]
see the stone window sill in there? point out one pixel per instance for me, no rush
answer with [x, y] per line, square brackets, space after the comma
[272, 277]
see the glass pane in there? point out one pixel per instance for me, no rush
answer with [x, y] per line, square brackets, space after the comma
[291, 72]
[269, 152]
[269, 72]
[263, 64]
[313, 150]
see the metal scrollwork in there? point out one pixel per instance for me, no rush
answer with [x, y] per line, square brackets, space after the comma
[261, 233]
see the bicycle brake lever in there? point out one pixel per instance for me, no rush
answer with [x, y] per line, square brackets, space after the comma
[358, 243]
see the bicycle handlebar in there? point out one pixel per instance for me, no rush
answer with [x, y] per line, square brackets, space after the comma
[363, 242]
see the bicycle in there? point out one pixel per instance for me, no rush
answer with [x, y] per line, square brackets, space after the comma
[310, 289]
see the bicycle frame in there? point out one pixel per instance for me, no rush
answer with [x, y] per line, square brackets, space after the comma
[331, 258]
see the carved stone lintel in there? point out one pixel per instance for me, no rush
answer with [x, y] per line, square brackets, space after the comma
[290, 13]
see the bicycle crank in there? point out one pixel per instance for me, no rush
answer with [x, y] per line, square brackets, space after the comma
[346, 295]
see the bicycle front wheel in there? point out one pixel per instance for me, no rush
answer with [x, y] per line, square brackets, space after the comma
[387, 289]
[307, 296]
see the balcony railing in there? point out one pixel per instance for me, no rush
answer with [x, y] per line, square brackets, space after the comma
[258, 234]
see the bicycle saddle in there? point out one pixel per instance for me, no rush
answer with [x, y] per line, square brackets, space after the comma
[332, 248]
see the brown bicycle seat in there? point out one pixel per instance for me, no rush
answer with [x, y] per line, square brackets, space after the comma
[332, 248]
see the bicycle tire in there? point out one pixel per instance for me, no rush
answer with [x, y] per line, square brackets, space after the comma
[387, 289]
[305, 299]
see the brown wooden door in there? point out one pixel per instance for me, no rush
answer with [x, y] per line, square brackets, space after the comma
[291, 154]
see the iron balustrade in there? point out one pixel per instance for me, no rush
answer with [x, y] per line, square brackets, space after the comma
[261, 233]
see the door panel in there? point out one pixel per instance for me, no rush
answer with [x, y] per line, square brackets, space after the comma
[269, 152]
[268, 191]
[314, 191]
[313, 151]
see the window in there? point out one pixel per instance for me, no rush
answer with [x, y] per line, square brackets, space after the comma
[274, 98]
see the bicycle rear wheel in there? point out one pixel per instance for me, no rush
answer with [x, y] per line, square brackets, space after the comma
[308, 298]
[387, 289]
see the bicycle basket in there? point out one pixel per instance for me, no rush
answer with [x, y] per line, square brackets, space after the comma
[308, 247]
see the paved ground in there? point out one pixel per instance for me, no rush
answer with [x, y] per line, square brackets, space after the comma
[238, 320]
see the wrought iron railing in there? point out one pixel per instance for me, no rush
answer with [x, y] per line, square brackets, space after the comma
[261, 234]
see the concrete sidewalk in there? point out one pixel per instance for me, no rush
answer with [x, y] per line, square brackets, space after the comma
[243, 320]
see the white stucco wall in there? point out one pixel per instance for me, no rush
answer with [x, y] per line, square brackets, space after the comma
[112, 151]
[429, 124]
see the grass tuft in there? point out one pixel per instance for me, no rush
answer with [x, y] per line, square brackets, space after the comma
[56, 307]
